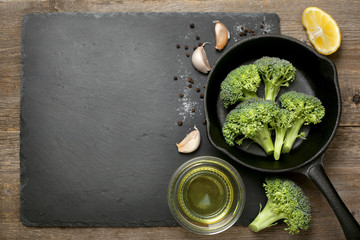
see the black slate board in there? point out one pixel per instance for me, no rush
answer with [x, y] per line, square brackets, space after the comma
[99, 113]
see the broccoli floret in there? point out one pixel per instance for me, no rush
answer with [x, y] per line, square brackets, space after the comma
[275, 73]
[287, 201]
[250, 120]
[308, 110]
[283, 121]
[239, 85]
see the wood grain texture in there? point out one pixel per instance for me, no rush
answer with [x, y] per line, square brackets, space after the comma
[341, 159]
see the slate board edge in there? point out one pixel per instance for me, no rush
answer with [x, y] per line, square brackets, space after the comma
[99, 14]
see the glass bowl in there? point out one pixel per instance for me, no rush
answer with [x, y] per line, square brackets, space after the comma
[206, 195]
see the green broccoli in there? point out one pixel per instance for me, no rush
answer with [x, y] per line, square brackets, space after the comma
[275, 73]
[283, 121]
[250, 120]
[287, 201]
[239, 85]
[308, 110]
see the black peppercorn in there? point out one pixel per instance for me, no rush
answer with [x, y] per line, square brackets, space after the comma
[197, 37]
[197, 89]
[180, 123]
[177, 45]
[187, 54]
[181, 95]
[201, 95]
[186, 47]
[175, 78]
[192, 25]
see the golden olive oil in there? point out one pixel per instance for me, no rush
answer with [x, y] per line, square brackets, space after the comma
[206, 195]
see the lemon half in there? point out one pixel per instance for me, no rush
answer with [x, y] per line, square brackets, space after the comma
[322, 30]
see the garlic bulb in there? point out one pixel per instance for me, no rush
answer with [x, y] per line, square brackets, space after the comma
[200, 61]
[222, 35]
[190, 143]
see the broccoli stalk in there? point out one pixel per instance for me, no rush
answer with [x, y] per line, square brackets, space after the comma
[307, 110]
[275, 73]
[292, 134]
[283, 121]
[266, 218]
[240, 84]
[279, 141]
[263, 138]
[272, 87]
[287, 201]
[250, 119]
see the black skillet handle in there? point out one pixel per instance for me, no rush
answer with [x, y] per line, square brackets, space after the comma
[348, 223]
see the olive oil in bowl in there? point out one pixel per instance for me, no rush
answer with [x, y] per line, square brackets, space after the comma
[206, 195]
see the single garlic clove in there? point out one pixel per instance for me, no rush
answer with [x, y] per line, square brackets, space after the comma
[200, 60]
[190, 143]
[222, 35]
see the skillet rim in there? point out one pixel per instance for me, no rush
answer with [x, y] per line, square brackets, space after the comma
[321, 151]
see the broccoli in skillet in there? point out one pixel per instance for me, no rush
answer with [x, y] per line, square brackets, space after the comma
[275, 73]
[250, 119]
[239, 85]
[307, 110]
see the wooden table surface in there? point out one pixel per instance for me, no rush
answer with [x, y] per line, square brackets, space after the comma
[342, 158]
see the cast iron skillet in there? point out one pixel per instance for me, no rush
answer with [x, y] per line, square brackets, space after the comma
[315, 75]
